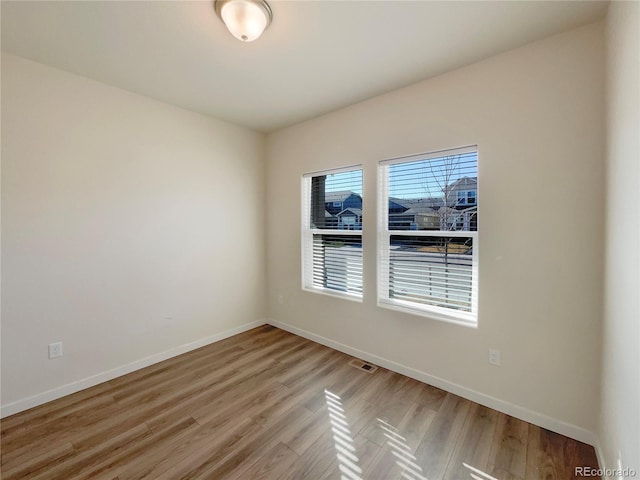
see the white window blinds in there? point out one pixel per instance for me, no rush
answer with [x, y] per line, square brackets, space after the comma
[428, 226]
[332, 232]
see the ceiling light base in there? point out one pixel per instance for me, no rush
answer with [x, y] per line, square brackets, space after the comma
[245, 19]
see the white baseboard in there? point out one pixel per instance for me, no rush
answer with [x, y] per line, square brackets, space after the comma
[74, 387]
[539, 419]
[600, 455]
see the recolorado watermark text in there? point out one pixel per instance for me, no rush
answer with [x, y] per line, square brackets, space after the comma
[605, 472]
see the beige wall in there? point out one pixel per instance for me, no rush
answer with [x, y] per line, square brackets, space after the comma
[536, 114]
[620, 419]
[129, 227]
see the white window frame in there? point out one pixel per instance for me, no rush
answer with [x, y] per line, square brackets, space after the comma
[469, 319]
[308, 233]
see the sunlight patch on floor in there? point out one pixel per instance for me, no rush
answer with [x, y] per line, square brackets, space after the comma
[342, 439]
[405, 458]
[478, 474]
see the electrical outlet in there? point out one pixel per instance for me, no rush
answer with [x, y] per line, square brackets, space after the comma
[280, 299]
[55, 350]
[494, 357]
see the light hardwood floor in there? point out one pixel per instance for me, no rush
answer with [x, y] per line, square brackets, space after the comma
[267, 404]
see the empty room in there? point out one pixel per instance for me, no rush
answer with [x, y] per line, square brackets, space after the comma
[351, 240]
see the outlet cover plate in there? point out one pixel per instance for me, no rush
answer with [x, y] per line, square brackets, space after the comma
[55, 350]
[494, 357]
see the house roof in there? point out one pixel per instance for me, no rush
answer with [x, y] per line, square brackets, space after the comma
[465, 182]
[354, 211]
[420, 211]
[338, 196]
[429, 202]
[429, 211]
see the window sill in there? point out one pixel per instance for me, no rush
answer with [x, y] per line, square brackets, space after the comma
[463, 319]
[334, 293]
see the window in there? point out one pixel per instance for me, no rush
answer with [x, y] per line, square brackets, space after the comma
[332, 232]
[471, 197]
[427, 260]
[466, 197]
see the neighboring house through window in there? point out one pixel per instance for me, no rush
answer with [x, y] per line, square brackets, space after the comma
[428, 221]
[332, 232]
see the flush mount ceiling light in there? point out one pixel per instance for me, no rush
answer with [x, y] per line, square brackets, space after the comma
[245, 19]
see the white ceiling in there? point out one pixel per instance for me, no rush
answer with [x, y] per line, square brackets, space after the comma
[315, 57]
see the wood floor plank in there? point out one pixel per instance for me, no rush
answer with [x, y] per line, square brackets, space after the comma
[187, 362]
[415, 424]
[437, 446]
[29, 452]
[73, 467]
[247, 399]
[304, 348]
[184, 403]
[552, 456]
[29, 466]
[266, 404]
[361, 414]
[61, 407]
[392, 410]
[343, 382]
[247, 371]
[316, 460]
[385, 466]
[166, 455]
[508, 457]
[365, 450]
[247, 450]
[431, 397]
[212, 386]
[206, 454]
[586, 457]
[315, 370]
[307, 432]
[62, 429]
[552, 448]
[277, 462]
[474, 447]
